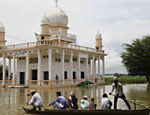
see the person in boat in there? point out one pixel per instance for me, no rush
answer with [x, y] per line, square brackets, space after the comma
[36, 100]
[59, 102]
[118, 93]
[85, 105]
[72, 100]
[92, 104]
[106, 103]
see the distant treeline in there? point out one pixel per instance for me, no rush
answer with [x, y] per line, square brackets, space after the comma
[127, 80]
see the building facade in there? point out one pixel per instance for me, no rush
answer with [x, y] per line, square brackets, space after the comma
[54, 59]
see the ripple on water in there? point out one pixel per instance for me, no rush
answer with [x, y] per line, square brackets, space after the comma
[12, 100]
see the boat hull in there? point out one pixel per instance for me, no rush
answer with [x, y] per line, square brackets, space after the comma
[88, 112]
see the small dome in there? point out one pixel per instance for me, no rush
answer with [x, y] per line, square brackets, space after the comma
[57, 17]
[2, 28]
[98, 35]
[44, 20]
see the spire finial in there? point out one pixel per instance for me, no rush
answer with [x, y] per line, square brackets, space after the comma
[98, 31]
[1, 23]
[98, 34]
[56, 1]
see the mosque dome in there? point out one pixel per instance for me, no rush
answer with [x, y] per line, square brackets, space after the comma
[44, 20]
[2, 28]
[98, 35]
[57, 17]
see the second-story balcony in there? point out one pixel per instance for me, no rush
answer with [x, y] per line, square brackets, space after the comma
[69, 38]
[53, 44]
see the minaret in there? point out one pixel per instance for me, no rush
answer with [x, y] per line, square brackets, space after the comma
[45, 31]
[2, 34]
[99, 45]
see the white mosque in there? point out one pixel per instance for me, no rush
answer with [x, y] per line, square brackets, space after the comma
[54, 59]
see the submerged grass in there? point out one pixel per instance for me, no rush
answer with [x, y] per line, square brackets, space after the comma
[85, 83]
[127, 80]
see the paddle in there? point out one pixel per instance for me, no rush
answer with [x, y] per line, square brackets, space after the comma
[132, 102]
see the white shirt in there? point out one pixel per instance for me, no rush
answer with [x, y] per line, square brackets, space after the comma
[118, 89]
[85, 105]
[36, 100]
[105, 103]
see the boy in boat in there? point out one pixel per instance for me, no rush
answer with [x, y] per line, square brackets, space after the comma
[85, 105]
[118, 93]
[106, 103]
[36, 100]
[92, 104]
[59, 102]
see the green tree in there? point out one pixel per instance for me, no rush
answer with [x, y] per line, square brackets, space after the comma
[136, 57]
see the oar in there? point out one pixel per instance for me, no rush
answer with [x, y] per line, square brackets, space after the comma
[131, 102]
[21, 106]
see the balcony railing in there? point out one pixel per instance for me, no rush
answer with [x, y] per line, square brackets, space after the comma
[69, 37]
[55, 83]
[47, 43]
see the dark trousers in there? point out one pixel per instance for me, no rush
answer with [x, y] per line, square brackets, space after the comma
[124, 99]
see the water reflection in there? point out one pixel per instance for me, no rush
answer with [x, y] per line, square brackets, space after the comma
[12, 100]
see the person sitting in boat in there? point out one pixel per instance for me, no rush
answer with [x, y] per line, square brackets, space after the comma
[59, 102]
[73, 101]
[36, 100]
[118, 93]
[92, 104]
[106, 103]
[85, 105]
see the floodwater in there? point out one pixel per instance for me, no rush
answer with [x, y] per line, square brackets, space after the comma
[12, 100]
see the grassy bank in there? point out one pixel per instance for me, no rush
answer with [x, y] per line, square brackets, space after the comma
[127, 80]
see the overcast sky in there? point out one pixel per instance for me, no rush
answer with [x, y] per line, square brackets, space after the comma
[119, 21]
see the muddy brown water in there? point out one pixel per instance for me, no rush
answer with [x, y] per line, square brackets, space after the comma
[12, 100]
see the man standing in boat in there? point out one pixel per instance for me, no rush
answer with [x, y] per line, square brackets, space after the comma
[36, 100]
[118, 93]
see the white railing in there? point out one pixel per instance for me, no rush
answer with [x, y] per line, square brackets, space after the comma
[49, 43]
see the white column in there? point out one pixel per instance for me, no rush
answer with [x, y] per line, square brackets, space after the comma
[90, 69]
[71, 66]
[99, 67]
[103, 67]
[14, 71]
[62, 58]
[9, 68]
[50, 63]
[79, 73]
[87, 69]
[39, 66]
[93, 67]
[27, 68]
[4, 65]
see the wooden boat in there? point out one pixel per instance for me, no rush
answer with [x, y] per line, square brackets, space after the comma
[88, 112]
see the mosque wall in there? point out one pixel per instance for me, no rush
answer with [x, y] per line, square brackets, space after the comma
[55, 30]
[2, 38]
[56, 67]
